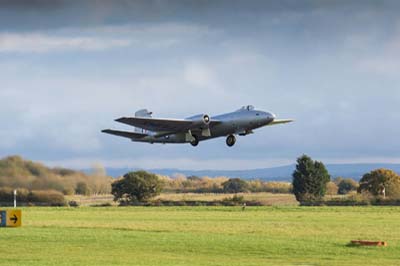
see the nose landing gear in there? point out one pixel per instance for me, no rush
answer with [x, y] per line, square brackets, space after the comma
[230, 140]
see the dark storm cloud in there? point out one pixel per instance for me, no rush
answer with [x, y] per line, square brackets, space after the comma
[47, 14]
[32, 4]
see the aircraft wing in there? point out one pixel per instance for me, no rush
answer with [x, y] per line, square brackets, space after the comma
[130, 135]
[163, 125]
[280, 121]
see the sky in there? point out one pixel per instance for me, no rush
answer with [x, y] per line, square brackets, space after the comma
[69, 68]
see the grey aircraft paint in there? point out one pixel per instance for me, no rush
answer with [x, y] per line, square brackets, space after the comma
[196, 128]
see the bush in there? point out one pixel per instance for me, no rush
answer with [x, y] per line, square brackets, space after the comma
[7, 195]
[73, 203]
[31, 198]
[381, 182]
[47, 198]
[346, 185]
[235, 185]
[331, 188]
[136, 186]
[68, 191]
[82, 189]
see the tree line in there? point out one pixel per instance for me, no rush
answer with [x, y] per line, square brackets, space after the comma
[41, 185]
[311, 182]
[195, 184]
[17, 173]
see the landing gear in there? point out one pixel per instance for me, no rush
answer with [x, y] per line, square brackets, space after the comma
[230, 140]
[195, 141]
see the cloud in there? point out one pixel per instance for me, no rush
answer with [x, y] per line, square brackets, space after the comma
[40, 43]
[67, 79]
[33, 4]
[100, 38]
[199, 76]
[9, 138]
[386, 60]
[77, 137]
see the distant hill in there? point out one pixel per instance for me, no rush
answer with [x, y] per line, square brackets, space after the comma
[282, 173]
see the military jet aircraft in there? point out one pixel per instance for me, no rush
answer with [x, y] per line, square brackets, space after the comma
[195, 128]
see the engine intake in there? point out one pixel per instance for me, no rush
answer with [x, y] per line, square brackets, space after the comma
[206, 119]
[202, 120]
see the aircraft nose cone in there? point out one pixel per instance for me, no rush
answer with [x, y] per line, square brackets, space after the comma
[267, 118]
[270, 116]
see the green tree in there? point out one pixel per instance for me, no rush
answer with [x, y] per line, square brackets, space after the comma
[309, 179]
[381, 179]
[235, 185]
[136, 186]
[346, 185]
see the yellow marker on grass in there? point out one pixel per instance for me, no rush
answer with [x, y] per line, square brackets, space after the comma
[10, 218]
[14, 218]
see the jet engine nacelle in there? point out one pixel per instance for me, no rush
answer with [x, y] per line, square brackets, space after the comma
[202, 120]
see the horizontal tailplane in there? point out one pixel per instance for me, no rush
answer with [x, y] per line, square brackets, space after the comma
[130, 135]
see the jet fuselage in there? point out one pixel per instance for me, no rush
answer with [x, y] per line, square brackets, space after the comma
[240, 122]
[195, 128]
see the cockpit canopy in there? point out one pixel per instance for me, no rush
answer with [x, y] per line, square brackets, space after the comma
[247, 108]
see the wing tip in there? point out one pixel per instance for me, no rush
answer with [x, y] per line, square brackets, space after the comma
[120, 119]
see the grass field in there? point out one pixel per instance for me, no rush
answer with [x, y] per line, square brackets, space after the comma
[202, 236]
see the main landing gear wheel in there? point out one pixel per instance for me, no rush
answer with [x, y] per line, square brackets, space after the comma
[195, 141]
[230, 140]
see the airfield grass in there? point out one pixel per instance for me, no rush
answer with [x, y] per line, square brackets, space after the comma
[202, 236]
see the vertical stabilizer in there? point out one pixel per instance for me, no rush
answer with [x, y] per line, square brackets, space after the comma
[142, 113]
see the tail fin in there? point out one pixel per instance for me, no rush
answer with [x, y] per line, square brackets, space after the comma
[142, 113]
